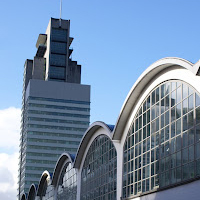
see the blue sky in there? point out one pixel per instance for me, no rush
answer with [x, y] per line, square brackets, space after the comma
[115, 41]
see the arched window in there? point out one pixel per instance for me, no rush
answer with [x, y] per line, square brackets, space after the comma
[43, 184]
[98, 177]
[23, 197]
[43, 189]
[67, 185]
[32, 192]
[162, 147]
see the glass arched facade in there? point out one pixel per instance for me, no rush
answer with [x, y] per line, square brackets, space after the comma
[44, 189]
[162, 147]
[67, 185]
[99, 173]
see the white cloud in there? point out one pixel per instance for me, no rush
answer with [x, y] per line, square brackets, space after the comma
[10, 128]
[8, 174]
[9, 147]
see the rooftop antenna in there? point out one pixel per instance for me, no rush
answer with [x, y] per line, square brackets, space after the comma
[60, 12]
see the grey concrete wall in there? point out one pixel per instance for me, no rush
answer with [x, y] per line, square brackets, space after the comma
[73, 72]
[58, 90]
[55, 23]
[28, 72]
[38, 68]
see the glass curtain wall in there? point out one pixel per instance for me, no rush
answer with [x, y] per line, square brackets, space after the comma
[67, 185]
[58, 56]
[98, 177]
[162, 147]
[44, 190]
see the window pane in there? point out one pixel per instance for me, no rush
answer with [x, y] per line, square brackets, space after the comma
[178, 158]
[185, 155]
[198, 167]
[173, 145]
[172, 129]
[185, 139]
[173, 176]
[191, 136]
[58, 47]
[191, 153]
[178, 111]
[162, 90]
[57, 72]
[198, 115]
[185, 91]
[178, 126]
[198, 133]
[58, 60]
[185, 106]
[173, 86]
[173, 160]
[179, 97]
[191, 103]
[157, 94]
[173, 98]
[197, 150]
[190, 120]
[197, 100]
[178, 174]
[153, 98]
[178, 143]
[59, 35]
[185, 172]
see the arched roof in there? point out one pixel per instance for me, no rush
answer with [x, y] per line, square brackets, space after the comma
[140, 84]
[59, 165]
[32, 192]
[44, 176]
[86, 138]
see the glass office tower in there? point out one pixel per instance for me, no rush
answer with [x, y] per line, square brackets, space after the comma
[55, 105]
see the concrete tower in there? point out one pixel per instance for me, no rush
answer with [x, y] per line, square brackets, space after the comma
[55, 105]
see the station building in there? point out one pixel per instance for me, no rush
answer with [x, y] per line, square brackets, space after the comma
[152, 152]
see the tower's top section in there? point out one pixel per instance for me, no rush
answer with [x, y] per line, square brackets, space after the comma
[52, 61]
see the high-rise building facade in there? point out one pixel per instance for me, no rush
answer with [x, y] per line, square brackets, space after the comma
[55, 105]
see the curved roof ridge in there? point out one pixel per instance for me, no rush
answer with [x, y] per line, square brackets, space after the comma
[87, 136]
[178, 58]
[144, 78]
[60, 162]
[30, 190]
[43, 177]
